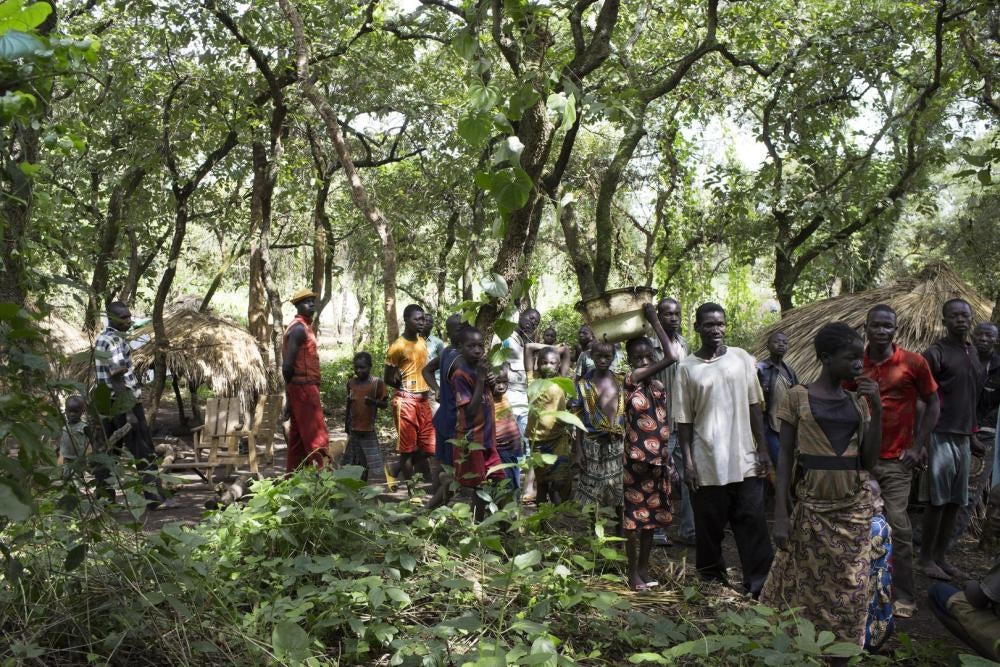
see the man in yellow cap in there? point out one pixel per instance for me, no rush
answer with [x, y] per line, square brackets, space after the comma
[307, 435]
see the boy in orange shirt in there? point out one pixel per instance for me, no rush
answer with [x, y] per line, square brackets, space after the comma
[404, 365]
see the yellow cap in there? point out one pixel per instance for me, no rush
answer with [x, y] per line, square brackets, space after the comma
[303, 293]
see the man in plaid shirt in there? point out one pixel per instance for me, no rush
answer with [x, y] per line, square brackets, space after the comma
[113, 364]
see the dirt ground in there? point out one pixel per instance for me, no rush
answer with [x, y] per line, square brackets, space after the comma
[671, 563]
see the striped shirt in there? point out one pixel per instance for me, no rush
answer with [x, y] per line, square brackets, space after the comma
[111, 354]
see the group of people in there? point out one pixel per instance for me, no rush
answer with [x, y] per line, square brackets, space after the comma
[671, 432]
[841, 452]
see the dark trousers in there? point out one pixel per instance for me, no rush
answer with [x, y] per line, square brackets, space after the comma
[139, 442]
[741, 505]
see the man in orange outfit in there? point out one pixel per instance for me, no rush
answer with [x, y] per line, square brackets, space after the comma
[307, 435]
[404, 365]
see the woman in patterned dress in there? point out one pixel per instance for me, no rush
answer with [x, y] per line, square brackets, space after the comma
[647, 462]
[830, 439]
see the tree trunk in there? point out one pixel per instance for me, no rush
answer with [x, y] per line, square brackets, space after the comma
[535, 132]
[609, 186]
[784, 280]
[110, 234]
[442, 264]
[18, 192]
[322, 255]
[578, 256]
[160, 339]
[359, 194]
[257, 311]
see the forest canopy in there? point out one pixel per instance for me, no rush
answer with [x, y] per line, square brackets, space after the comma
[383, 152]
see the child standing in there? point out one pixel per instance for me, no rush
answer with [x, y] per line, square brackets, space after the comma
[77, 442]
[508, 435]
[599, 450]
[365, 395]
[546, 433]
[830, 439]
[476, 446]
[648, 466]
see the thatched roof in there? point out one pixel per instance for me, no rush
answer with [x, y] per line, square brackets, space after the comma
[66, 338]
[208, 350]
[916, 299]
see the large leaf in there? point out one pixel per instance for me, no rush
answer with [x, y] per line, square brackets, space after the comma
[15, 504]
[483, 98]
[290, 641]
[15, 44]
[512, 189]
[475, 128]
[495, 286]
[509, 151]
[527, 559]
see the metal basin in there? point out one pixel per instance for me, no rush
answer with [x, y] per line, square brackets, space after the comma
[617, 315]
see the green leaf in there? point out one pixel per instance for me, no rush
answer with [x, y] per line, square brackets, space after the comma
[565, 417]
[468, 622]
[984, 176]
[528, 559]
[842, 649]
[35, 15]
[29, 169]
[75, 557]
[290, 641]
[826, 637]
[407, 562]
[398, 595]
[475, 129]
[639, 658]
[464, 45]
[15, 44]
[566, 384]
[15, 503]
[495, 286]
[512, 189]
[483, 98]
[508, 151]
[504, 328]
[569, 113]
[523, 98]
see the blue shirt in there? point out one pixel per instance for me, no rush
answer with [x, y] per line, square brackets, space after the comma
[446, 417]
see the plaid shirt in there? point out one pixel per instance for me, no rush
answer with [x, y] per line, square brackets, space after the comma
[112, 353]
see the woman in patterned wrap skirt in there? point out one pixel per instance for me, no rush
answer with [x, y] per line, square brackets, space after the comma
[830, 438]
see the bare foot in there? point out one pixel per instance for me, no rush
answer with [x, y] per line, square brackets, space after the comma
[933, 571]
[636, 583]
[648, 578]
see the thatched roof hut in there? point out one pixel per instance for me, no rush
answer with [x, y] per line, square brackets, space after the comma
[207, 350]
[67, 339]
[916, 299]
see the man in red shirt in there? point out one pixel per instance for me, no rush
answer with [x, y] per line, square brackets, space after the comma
[308, 438]
[902, 378]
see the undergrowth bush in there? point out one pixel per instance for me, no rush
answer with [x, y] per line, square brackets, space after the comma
[317, 569]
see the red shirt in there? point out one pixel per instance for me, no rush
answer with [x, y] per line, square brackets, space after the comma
[306, 368]
[901, 378]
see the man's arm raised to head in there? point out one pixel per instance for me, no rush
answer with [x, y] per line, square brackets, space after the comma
[296, 336]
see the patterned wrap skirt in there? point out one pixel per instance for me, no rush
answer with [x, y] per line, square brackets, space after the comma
[647, 496]
[825, 568]
[363, 450]
[601, 479]
[880, 619]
